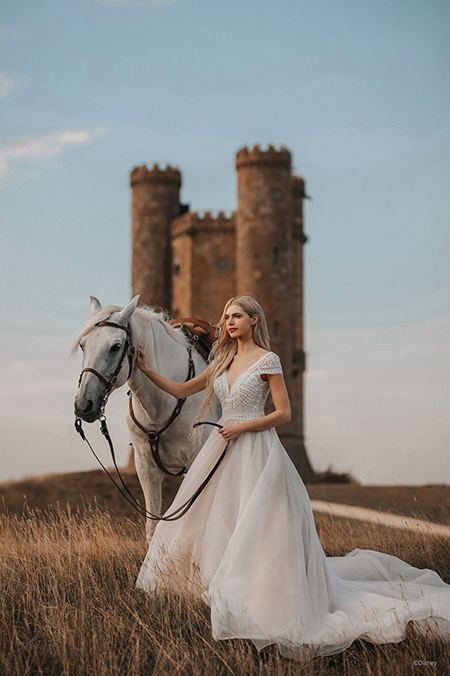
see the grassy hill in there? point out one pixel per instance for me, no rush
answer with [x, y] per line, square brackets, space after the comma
[70, 552]
[430, 502]
[68, 602]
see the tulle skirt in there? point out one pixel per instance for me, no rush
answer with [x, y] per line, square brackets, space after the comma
[248, 547]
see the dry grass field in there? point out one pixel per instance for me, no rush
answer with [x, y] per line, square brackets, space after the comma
[69, 606]
[430, 502]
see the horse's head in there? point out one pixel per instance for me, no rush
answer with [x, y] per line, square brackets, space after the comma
[104, 349]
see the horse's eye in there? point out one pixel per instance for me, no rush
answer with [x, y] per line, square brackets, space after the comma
[115, 348]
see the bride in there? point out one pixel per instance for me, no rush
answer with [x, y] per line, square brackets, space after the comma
[248, 546]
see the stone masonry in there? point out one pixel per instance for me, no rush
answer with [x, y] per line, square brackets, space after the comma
[191, 264]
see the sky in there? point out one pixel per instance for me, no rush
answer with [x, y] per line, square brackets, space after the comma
[357, 90]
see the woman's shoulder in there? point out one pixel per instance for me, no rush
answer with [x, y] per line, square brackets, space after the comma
[266, 357]
[270, 363]
[269, 352]
[269, 355]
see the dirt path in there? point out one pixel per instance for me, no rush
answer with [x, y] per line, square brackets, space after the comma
[374, 516]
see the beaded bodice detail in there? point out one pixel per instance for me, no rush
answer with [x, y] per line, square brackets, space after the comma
[247, 397]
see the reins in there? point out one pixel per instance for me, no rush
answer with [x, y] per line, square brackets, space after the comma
[137, 506]
[153, 435]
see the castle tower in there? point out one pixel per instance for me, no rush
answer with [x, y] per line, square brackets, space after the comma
[191, 264]
[155, 203]
[268, 266]
[263, 237]
[203, 274]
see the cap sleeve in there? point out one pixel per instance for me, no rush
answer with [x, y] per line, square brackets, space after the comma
[271, 364]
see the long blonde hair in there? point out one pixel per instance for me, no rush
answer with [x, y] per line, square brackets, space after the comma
[224, 349]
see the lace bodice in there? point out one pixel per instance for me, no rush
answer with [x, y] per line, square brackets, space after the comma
[246, 399]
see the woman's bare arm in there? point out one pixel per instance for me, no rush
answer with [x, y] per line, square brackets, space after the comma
[173, 387]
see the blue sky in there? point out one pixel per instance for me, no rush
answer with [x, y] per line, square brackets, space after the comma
[357, 90]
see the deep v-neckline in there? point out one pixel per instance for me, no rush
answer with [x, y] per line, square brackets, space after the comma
[243, 372]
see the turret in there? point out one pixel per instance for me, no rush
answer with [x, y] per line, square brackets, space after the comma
[263, 238]
[155, 203]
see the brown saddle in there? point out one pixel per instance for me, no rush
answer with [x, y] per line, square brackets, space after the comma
[201, 333]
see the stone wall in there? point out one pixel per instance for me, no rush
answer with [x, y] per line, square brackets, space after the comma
[192, 264]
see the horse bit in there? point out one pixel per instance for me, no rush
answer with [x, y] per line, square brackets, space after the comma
[153, 435]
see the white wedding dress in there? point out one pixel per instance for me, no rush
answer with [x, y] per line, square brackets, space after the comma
[251, 543]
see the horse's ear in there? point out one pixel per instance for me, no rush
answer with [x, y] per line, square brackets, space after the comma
[125, 314]
[94, 306]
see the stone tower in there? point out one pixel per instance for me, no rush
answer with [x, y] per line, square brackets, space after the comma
[191, 264]
[269, 266]
[155, 203]
[263, 238]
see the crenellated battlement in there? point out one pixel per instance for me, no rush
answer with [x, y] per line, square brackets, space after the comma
[247, 157]
[155, 175]
[193, 222]
[190, 262]
[298, 185]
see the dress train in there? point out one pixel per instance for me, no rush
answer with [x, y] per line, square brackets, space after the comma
[249, 548]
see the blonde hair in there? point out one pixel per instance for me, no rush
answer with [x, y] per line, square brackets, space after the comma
[224, 349]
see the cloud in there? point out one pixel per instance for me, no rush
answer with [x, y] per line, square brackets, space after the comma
[11, 83]
[6, 85]
[38, 147]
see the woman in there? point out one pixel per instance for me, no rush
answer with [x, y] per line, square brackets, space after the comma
[248, 545]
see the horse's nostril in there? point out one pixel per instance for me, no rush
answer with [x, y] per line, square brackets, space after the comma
[88, 407]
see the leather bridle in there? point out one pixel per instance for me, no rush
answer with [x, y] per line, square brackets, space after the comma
[153, 435]
[110, 383]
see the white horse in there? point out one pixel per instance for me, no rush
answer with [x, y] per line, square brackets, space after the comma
[166, 350]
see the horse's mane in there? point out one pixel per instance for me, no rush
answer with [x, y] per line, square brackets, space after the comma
[145, 313]
[138, 322]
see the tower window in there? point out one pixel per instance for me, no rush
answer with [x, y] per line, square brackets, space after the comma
[176, 269]
[222, 264]
[275, 256]
[276, 327]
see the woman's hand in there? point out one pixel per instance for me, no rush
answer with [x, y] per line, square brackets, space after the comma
[141, 359]
[230, 432]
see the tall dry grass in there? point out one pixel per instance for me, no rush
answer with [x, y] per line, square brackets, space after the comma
[69, 606]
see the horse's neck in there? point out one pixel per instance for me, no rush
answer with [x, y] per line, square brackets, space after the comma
[167, 357]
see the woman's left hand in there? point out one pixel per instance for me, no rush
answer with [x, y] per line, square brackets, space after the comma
[230, 432]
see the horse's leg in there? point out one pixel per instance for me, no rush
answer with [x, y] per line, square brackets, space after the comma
[151, 480]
